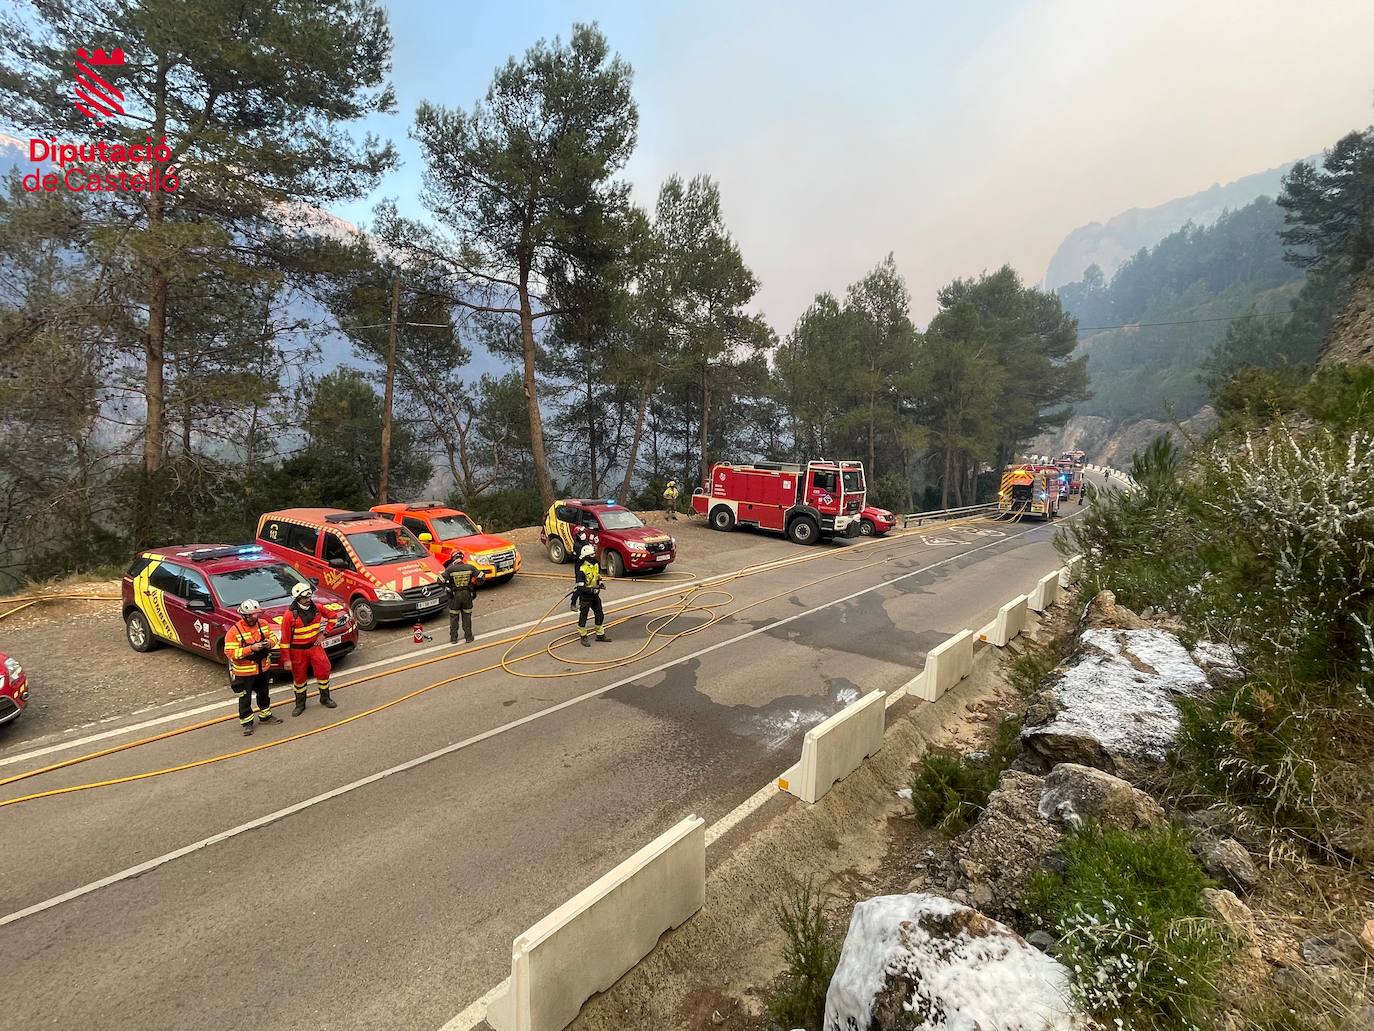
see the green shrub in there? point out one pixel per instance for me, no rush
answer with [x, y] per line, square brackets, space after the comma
[811, 953]
[949, 790]
[1029, 669]
[1132, 927]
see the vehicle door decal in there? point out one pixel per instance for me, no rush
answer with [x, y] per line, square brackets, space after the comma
[153, 604]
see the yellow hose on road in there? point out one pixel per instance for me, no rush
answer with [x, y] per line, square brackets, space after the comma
[671, 612]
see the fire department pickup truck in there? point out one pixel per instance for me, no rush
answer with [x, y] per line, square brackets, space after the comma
[808, 503]
[450, 530]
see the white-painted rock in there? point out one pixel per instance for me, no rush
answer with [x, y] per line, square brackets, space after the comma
[924, 963]
[1073, 795]
[1115, 707]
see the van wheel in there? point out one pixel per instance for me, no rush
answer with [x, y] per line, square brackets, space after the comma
[803, 530]
[364, 613]
[722, 518]
[867, 529]
[139, 633]
[558, 552]
[615, 565]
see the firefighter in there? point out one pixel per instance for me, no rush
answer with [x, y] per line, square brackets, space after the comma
[670, 494]
[249, 646]
[301, 628]
[461, 579]
[588, 592]
[427, 539]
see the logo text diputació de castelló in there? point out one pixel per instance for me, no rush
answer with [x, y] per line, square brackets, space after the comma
[147, 164]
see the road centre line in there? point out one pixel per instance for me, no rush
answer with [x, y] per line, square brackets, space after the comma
[457, 746]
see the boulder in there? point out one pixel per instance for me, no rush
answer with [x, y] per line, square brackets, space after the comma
[1073, 794]
[1103, 611]
[1340, 948]
[1228, 861]
[1230, 911]
[923, 962]
[1217, 660]
[1115, 708]
[1008, 844]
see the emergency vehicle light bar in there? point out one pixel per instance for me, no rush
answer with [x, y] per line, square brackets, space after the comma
[206, 554]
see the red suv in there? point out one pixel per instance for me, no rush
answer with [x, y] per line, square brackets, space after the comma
[623, 542]
[189, 597]
[14, 688]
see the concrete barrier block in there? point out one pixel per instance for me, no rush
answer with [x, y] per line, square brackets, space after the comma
[1046, 592]
[947, 664]
[1072, 571]
[835, 748]
[1010, 622]
[588, 943]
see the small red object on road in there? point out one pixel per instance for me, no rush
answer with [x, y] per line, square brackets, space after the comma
[418, 634]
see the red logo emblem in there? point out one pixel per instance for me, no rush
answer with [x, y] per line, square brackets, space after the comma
[96, 97]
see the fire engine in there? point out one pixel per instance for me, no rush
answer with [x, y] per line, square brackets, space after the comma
[1029, 490]
[1070, 467]
[811, 502]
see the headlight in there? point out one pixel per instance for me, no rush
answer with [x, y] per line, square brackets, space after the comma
[636, 546]
[386, 594]
[13, 668]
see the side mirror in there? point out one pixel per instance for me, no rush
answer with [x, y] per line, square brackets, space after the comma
[199, 604]
[337, 563]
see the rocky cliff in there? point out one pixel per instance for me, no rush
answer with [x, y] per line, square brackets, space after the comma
[1107, 444]
[1351, 341]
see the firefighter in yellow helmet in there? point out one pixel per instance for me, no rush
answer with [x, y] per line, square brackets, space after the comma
[587, 589]
[670, 496]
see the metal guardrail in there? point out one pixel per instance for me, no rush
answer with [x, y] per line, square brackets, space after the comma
[917, 518]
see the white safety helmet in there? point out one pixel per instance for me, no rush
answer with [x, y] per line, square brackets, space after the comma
[587, 551]
[300, 591]
[249, 607]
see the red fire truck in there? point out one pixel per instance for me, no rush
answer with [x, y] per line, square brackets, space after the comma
[1070, 467]
[811, 502]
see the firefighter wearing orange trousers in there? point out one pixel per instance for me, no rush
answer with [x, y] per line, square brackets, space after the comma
[301, 628]
[248, 647]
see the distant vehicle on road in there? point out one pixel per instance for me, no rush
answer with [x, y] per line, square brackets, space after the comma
[495, 558]
[189, 597]
[809, 503]
[14, 689]
[1029, 490]
[874, 522]
[379, 567]
[623, 542]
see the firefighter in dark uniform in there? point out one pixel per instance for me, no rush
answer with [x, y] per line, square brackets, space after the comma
[588, 595]
[460, 579]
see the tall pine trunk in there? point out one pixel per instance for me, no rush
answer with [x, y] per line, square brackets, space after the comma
[623, 495]
[704, 470]
[541, 464]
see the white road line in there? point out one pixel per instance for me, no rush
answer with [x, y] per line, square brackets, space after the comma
[457, 746]
[348, 676]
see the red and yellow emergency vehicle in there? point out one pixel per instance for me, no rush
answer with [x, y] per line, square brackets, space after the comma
[1070, 467]
[450, 530]
[377, 565]
[1029, 490]
[809, 503]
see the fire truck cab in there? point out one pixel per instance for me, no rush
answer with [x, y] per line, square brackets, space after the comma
[808, 503]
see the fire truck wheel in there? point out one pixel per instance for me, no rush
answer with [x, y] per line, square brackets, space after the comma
[558, 554]
[364, 613]
[866, 528]
[722, 518]
[803, 530]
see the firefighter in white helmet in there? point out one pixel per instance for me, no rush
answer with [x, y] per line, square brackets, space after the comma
[587, 588]
[248, 646]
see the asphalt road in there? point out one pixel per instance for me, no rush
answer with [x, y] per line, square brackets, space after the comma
[232, 894]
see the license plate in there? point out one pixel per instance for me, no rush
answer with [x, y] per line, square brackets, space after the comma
[431, 603]
[333, 642]
[502, 566]
[660, 558]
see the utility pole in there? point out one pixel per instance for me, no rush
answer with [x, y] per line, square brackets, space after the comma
[385, 475]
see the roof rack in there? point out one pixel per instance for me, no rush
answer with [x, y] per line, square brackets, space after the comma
[350, 517]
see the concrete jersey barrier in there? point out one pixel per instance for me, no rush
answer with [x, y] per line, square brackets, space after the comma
[946, 665]
[1046, 592]
[592, 940]
[1009, 624]
[836, 747]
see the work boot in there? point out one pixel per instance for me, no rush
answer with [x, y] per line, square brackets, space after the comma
[248, 730]
[326, 701]
[269, 718]
[468, 639]
[602, 637]
[300, 704]
[586, 641]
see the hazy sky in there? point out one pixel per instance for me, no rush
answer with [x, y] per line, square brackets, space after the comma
[957, 136]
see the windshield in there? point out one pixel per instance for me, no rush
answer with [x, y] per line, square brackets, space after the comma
[853, 481]
[379, 547]
[619, 519]
[267, 585]
[452, 527]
